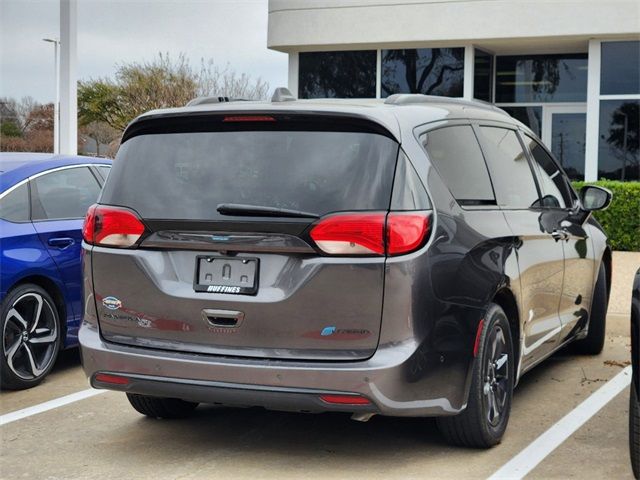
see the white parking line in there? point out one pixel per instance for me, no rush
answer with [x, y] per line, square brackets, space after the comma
[535, 452]
[50, 405]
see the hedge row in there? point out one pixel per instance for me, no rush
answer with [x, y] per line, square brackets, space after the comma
[621, 220]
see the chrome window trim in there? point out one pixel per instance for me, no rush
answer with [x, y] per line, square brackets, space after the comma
[66, 167]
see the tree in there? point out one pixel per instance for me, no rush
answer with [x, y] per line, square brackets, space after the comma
[99, 132]
[160, 83]
[26, 125]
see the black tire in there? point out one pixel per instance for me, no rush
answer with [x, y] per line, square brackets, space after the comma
[634, 432]
[31, 337]
[593, 343]
[478, 426]
[159, 407]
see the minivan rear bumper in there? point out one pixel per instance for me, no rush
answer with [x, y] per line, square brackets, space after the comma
[387, 379]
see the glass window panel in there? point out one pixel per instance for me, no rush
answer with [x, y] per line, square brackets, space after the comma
[14, 207]
[553, 183]
[63, 194]
[337, 74]
[541, 78]
[483, 76]
[510, 170]
[432, 71]
[620, 68]
[568, 142]
[318, 172]
[618, 154]
[530, 116]
[456, 154]
[104, 171]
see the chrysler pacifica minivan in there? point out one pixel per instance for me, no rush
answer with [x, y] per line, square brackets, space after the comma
[413, 256]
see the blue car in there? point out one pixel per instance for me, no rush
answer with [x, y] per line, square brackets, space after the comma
[43, 201]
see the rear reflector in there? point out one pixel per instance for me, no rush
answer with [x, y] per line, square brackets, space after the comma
[374, 233]
[112, 227]
[476, 344]
[249, 118]
[345, 399]
[351, 234]
[113, 379]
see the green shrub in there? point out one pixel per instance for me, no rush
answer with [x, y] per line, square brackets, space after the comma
[621, 220]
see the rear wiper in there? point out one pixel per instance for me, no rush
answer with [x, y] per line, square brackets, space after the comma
[258, 211]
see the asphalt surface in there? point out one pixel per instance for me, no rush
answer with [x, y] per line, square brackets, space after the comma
[103, 437]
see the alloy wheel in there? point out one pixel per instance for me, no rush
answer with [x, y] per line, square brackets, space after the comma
[30, 336]
[496, 376]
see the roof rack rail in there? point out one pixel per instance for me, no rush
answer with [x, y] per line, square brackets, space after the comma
[213, 99]
[418, 98]
[282, 94]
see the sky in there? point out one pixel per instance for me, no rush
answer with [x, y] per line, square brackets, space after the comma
[111, 32]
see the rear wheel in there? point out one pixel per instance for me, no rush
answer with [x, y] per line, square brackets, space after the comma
[31, 337]
[593, 343]
[158, 407]
[483, 423]
[634, 432]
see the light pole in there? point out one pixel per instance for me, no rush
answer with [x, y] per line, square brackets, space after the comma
[56, 105]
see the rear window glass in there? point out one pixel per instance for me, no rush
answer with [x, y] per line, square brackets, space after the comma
[14, 206]
[456, 154]
[187, 175]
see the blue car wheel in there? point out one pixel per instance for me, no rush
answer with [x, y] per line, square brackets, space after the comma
[31, 337]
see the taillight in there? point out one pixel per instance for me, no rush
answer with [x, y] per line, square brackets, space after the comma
[406, 231]
[351, 234]
[112, 227]
[371, 233]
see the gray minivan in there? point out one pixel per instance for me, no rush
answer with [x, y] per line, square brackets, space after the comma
[412, 256]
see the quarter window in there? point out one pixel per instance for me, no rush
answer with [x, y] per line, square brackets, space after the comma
[63, 194]
[510, 170]
[14, 207]
[455, 153]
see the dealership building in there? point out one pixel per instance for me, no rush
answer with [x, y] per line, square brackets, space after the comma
[570, 70]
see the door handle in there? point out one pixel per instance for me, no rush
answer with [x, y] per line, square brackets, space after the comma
[560, 235]
[61, 242]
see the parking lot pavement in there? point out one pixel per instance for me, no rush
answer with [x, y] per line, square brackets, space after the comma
[103, 437]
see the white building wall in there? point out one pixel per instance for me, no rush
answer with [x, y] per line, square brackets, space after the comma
[299, 25]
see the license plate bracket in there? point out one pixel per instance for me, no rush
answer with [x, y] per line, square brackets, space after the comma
[230, 275]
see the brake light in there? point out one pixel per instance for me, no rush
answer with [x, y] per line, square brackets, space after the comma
[249, 118]
[345, 399]
[373, 233]
[406, 231]
[112, 227]
[351, 234]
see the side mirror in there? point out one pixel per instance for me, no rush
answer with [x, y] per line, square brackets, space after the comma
[595, 198]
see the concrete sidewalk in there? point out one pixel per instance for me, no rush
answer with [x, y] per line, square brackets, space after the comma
[625, 265]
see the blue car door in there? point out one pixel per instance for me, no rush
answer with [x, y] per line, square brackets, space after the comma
[59, 201]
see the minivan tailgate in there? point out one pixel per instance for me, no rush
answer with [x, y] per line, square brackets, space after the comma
[306, 306]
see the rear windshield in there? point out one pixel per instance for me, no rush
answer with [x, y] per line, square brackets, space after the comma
[187, 175]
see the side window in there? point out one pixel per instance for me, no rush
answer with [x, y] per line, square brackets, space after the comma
[510, 170]
[456, 155]
[554, 188]
[104, 171]
[14, 207]
[408, 191]
[63, 194]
